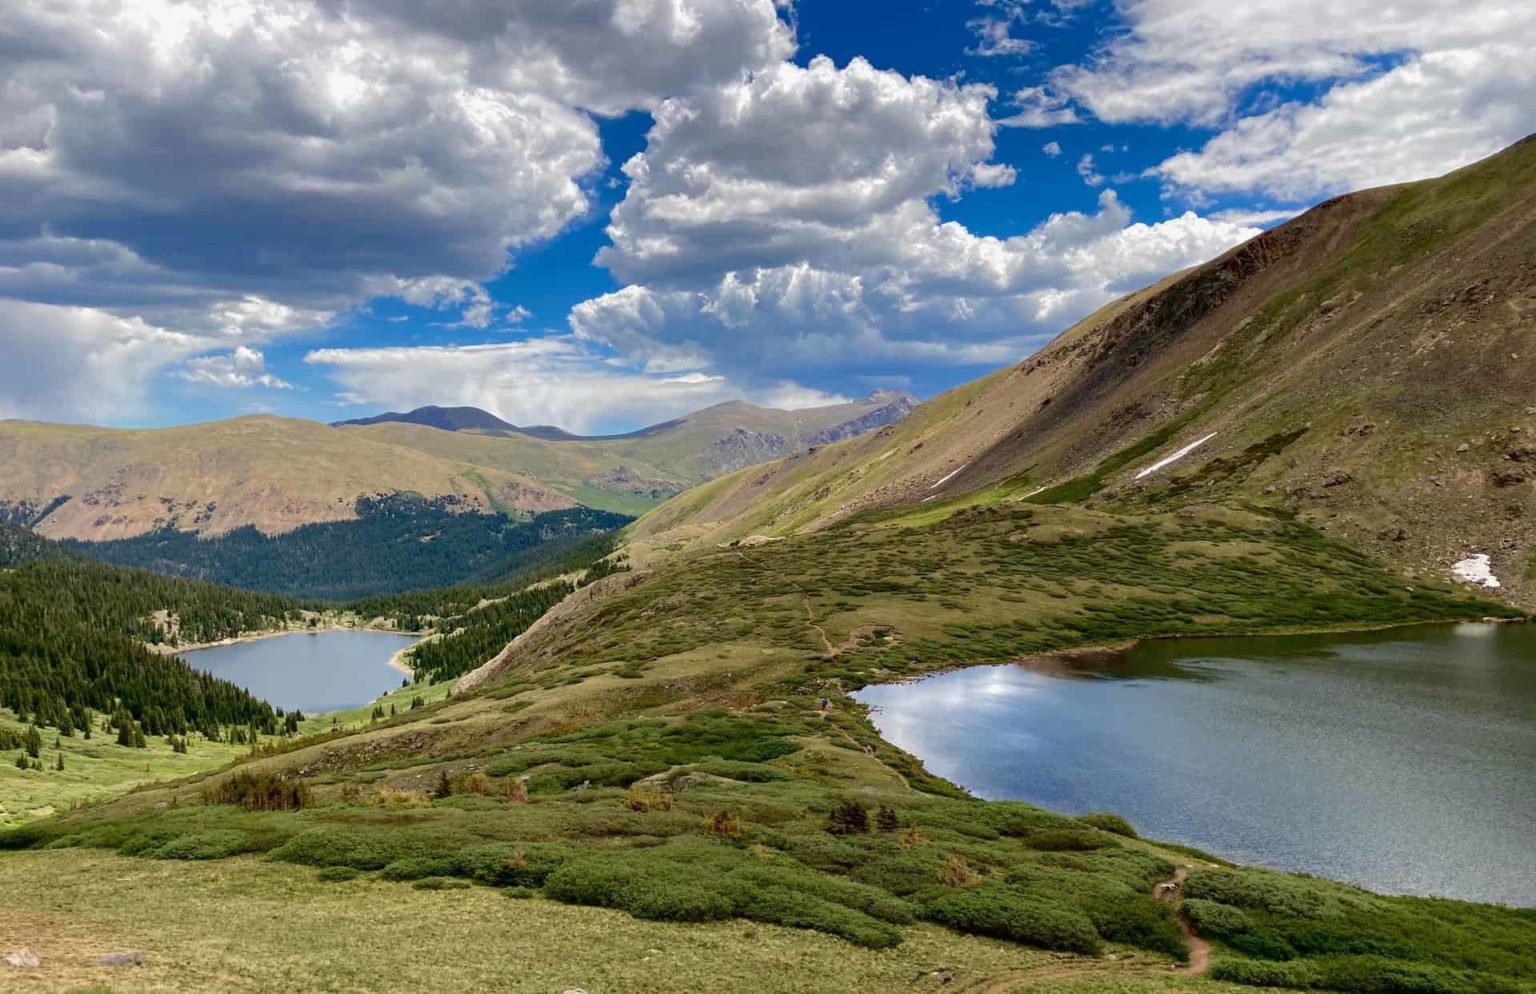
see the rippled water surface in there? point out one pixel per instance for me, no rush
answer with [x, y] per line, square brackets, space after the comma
[1404, 761]
[320, 671]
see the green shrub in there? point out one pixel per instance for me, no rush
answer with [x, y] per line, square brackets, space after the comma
[417, 868]
[514, 865]
[1004, 913]
[678, 893]
[441, 883]
[335, 874]
[1109, 822]
[1262, 942]
[203, 845]
[1214, 920]
[780, 906]
[745, 772]
[1299, 975]
[1068, 840]
[1139, 920]
[361, 850]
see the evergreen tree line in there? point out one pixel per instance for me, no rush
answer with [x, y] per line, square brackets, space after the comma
[398, 543]
[72, 637]
[72, 634]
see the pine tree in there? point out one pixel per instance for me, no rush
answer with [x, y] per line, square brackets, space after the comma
[21, 761]
[443, 787]
[33, 741]
[125, 734]
[60, 764]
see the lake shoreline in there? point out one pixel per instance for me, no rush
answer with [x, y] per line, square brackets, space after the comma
[1050, 744]
[394, 661]
[1105, 655]
[330, 670]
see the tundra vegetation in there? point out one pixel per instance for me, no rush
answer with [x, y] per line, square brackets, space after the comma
[686, 752]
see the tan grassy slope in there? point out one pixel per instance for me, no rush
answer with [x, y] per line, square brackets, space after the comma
[280, 473]
[273, 473]
[1367, 366]
[631, 472]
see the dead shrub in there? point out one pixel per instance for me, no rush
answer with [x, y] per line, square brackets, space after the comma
[723, 823]
[474, 783]
[958, 873]
[396, 800]
[648, 799]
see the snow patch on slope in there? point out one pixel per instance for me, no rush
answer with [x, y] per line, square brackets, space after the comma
[946, 478]
[1170, 460]
[1477, 570]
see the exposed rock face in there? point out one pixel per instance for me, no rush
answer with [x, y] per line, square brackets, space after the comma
[22, 957]
[742, 448]
[899, 405]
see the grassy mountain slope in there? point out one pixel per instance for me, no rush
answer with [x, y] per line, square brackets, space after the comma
[277, 474]
[1366, 367]
[274, 474]
[631, 473]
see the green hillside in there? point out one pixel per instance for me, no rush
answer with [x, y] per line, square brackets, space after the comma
[1364, 367]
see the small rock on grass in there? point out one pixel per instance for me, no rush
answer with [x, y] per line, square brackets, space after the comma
[120, 959]
[23, 957]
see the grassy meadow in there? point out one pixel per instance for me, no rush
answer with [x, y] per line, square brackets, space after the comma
[97, 769]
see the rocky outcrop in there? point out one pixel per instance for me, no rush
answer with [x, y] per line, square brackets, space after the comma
[899, 405]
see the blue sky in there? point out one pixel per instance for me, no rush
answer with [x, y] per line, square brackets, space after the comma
[607, 216]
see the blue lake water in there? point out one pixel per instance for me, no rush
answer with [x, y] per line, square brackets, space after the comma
[311, 671]
[1404, 761]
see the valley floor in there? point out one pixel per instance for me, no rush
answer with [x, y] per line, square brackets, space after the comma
[251, 926]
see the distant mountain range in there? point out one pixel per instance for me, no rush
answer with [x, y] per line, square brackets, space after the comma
[277, 474]
[1367, 367]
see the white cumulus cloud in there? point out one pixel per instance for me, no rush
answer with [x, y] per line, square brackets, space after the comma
[232, 170]
[1403, 91]
[241, 369]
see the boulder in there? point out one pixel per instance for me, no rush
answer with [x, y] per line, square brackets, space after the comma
[120, 959]
[22, 957]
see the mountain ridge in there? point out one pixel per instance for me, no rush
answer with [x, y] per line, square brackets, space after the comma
[1362, 367]
[277, 473]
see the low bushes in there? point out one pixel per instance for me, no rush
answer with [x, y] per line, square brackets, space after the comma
[1109, 822]
[204, 845]
[1138, 920]
[361, 850]
[1362, 975]
[337, 874]
[1305, 932]
[693, 883]
[1007, 914]
[1067, 840]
